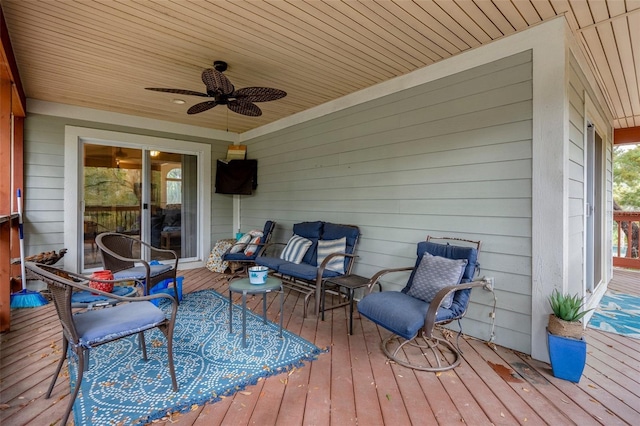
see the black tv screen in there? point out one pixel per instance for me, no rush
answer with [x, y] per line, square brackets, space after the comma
[236, 176]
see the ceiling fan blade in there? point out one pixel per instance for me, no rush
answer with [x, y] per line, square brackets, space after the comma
[178, 91]
[201, 107]
[245, 108]
[258, 94]
[216, 82]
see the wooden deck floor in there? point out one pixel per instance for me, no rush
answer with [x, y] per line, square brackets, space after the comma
[354, 383]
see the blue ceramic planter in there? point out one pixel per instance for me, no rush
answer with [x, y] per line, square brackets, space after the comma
[568, 357]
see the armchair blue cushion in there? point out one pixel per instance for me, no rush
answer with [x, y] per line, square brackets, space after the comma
[304, 271]
[97, 326]
[312, 231]
[140, 272]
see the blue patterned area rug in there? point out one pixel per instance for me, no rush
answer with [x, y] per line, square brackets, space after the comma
[618, 313]
[121, 388]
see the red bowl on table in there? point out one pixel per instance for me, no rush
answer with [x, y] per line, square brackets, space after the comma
[102, 275]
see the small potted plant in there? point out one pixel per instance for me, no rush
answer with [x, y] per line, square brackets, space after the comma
[565, 336]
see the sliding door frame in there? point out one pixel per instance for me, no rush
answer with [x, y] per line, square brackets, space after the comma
[73, 166]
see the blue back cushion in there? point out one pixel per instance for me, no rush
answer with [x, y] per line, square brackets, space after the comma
[311, 231]
[266, 231]
[333, 231]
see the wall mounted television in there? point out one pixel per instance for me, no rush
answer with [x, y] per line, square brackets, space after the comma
[236, 176]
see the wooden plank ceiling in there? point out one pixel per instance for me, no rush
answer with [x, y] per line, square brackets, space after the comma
[102, 53]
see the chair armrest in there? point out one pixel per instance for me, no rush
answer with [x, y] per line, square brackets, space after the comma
[326, 261]
[430, 318]
[140, 260]
[376, 277]
[117, 256]
[159, 250]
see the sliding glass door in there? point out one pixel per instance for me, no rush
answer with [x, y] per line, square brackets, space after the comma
[148, 193]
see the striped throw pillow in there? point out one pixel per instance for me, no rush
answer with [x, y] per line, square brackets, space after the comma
[296, 249]
[326, 247]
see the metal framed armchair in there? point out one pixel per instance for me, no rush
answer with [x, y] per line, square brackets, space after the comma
[83, 331]
[437, 293]
[120, 254]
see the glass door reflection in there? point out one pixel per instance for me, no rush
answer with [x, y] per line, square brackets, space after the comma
[112, 195]
[148, 193]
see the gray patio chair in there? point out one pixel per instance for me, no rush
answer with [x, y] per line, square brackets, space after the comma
[83, 331]
[118, 256]
[437, 293]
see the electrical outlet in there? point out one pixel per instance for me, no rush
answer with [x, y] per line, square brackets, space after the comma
[489, 282]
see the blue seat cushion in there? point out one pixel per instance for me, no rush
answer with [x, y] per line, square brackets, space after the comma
[304, 271]
[239, 257]
[140, 272]
[270, 262]
[100, 325]
[398, 312]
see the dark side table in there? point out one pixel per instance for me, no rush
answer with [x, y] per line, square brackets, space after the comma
[348, 282]
[245, 287]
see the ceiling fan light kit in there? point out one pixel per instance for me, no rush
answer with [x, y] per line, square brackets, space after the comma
[223, 92]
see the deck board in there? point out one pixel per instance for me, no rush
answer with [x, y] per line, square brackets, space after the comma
[354, 383]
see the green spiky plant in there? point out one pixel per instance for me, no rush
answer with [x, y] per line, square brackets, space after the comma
[567, 308]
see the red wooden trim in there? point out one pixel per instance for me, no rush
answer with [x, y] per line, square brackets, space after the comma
[12, 100]
[630, 135]
[18, 182]
[9, 60]
[629, 217]
[626, 262]
[5, 197]
[5, 276]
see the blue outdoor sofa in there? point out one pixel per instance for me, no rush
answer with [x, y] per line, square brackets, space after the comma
[316, 251]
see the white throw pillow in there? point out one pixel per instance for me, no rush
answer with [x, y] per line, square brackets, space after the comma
[327, 247]
[296, 249]
[433, 274]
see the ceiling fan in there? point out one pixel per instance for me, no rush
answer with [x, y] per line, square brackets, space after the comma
[223, 92]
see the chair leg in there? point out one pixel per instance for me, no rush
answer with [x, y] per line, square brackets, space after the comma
[395, 347]
[175, 290]
[172, 370]
[143, 345]
[82, 366]
[65, 347]
[168, 334]
[86, 354]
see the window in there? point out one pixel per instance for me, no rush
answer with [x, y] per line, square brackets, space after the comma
[174, 186]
